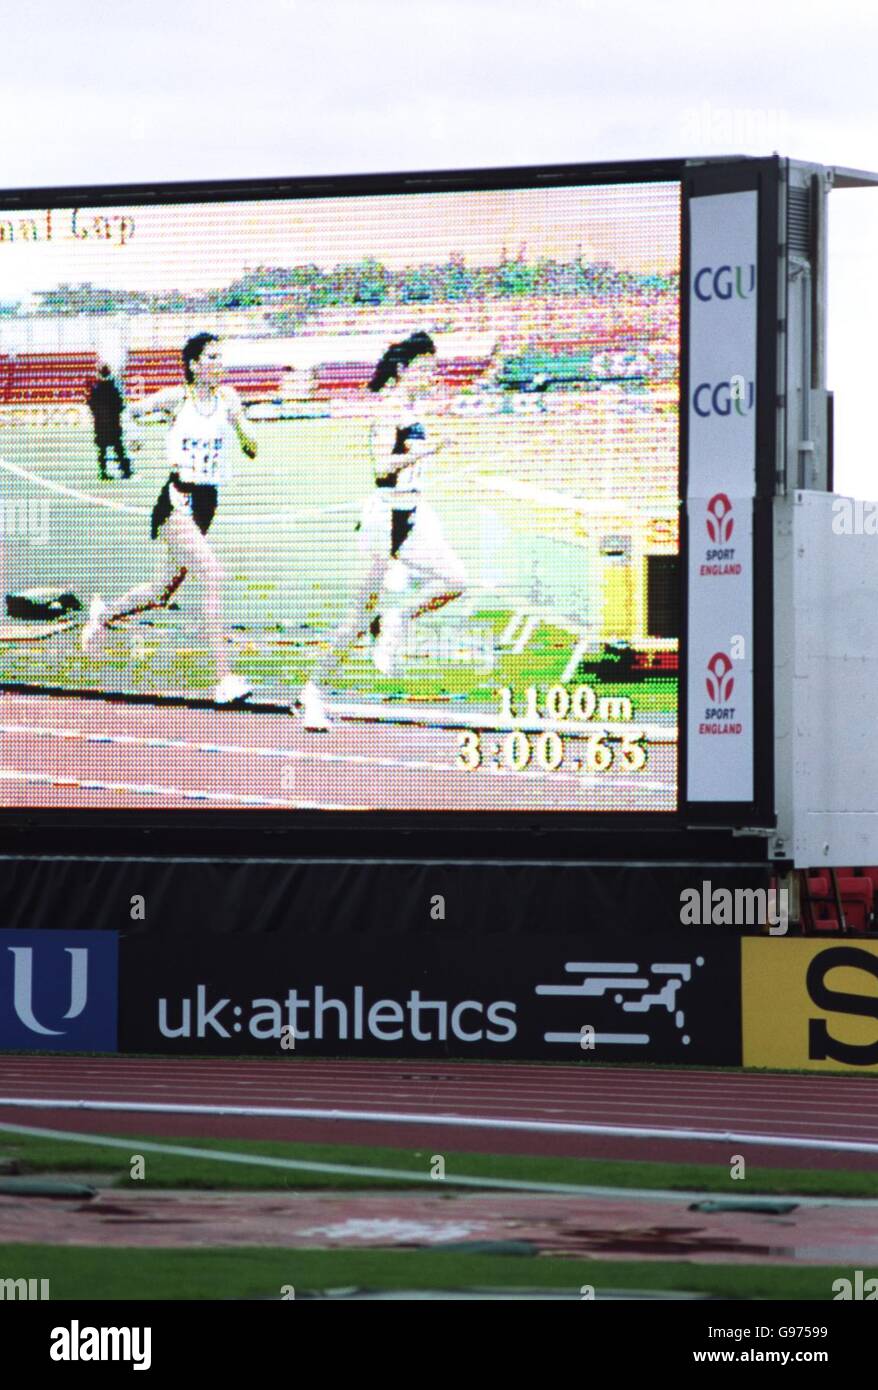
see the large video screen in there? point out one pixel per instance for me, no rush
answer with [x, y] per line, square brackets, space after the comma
[347, 503]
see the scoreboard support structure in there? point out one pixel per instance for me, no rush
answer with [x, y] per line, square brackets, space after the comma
[780, 624]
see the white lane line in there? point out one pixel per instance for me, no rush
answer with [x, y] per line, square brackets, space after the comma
[224, 749]
[45, 779]
[459, 1121]
[295, 1164]
[514, 1107]
[466, 1105]
[374, 1092]
[92, 499]
[254, 518]
[442, 717]
[677, 1197]
[316, 756]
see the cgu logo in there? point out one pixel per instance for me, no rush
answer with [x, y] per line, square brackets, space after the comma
[722, 398]
[23, 987]
[719, 682]
[726, 282]
[720, 522]
[821, 1044]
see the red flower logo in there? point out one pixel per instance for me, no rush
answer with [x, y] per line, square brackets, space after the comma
[720, 522]
[720, 683]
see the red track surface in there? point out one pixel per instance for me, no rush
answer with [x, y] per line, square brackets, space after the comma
[64, 751]
[621, 1227]
[835, 1108]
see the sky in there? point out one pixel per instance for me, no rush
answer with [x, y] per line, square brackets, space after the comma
[163, 91]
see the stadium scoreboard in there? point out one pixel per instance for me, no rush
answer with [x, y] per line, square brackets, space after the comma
[529, 569]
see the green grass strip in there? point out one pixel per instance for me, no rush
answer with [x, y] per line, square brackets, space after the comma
[87, 1273]
[47, 1156]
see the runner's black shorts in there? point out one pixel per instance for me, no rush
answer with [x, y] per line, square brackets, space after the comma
[202, 504]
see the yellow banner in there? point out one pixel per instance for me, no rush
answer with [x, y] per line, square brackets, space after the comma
[810, 1004]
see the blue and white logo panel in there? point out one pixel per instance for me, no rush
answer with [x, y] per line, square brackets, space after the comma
[59, 991]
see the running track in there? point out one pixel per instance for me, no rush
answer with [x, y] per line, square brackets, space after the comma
[65, 751]
[837, 1109]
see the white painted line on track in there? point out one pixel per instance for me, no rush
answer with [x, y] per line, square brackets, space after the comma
[300, 1165]
[46, 779]
[254, 518]
[678, 1197]
[444, 1120]
[483, 1094]
[314, 756]
[515, 1107]
[522, 1105]
[244, 750]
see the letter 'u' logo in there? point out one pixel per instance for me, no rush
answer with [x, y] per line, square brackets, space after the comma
[23, 986]
[719, 683]
[720, 522]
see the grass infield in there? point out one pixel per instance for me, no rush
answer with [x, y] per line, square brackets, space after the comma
[88, 1273]
[49, 1156]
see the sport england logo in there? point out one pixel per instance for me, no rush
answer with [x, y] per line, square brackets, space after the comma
[58, 990]
[720, 522]
[720, 682]
[724, 397]
[725, 282]
[719, 715]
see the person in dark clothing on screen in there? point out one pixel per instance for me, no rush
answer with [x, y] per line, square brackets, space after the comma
[106, 405]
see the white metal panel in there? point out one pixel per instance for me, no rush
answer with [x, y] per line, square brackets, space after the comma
[826, 678]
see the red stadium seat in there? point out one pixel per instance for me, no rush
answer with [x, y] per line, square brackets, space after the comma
[857, 897]
[151, 369]
[857, 900]
[255, 383]
[872, 875]
[826, 923]
[46, 378]
[336, 378]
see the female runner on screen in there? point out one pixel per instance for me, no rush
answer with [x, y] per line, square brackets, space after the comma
[204, 416]
[398, 530]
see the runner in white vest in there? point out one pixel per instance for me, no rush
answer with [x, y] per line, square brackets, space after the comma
[207, 422]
